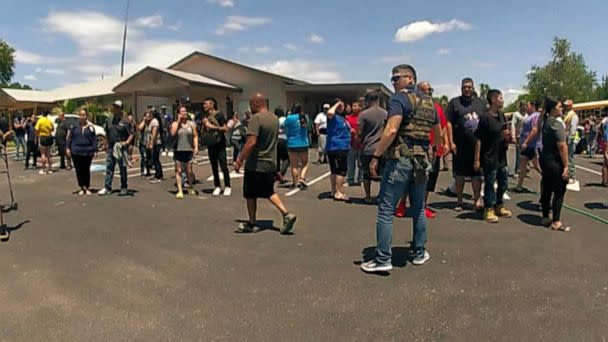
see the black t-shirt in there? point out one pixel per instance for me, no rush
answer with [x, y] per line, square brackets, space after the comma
[19, 131]
[493, 153]
[62, 130]
[463, 113]
[117, 130]
[4, 127]
[221, 121]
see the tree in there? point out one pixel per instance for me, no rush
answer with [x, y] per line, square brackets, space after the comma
[565, 76]
[484, 89]
[17, 85]
[7, 62]
[601, 92]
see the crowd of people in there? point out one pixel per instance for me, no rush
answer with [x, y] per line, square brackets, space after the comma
[400, 146]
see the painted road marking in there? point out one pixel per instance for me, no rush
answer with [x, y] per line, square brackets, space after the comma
[316, 180]
[589, 170]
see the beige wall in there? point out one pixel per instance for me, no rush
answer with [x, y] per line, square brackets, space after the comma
[250, 81]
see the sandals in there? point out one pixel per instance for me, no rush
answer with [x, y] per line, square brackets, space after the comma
[559, 227]
[341, 197]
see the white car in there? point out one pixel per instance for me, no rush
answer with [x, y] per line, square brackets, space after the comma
[74, 119]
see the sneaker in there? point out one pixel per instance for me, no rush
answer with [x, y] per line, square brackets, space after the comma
[42, 172]
[217, 191]
[288, 221]
[191, 192]
[506, 197]
[490, 216]
[303, 185]
[164, 154]
[227, 192]
[247, 227]
[502, 212]
[401, 210]
[4, 233]
[123, 192]
[88, 192]
[179, 195]
[155, 181]
[81, 193]
[170, 154]
[49, 172]
[429, 213]
[103, 192]
[421, 258]
[373, 267]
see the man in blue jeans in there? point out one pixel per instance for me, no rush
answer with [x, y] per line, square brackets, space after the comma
[119, 135]
[19, 126]
[405, 140]
[491, 144]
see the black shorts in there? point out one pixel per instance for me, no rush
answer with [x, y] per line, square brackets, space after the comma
[258, 184]
[462, 162]
[365, 161]
[183, 156]
[46, 141]
[298, 149]
[338, 162]
[529, 152]
[433, 175]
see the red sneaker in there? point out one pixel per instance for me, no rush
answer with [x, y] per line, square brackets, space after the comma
[429, 213]
[401, 209]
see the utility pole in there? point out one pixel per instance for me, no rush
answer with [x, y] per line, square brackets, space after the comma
[124, 41]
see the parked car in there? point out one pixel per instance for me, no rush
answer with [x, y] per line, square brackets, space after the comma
[74, 119]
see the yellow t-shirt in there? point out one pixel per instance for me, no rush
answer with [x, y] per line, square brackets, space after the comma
[44, 127]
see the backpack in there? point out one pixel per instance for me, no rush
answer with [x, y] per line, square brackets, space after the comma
[210, 137]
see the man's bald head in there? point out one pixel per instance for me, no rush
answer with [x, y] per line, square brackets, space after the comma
[425, 87]
[258, 103]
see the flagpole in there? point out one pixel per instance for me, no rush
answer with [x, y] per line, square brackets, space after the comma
[124, 41]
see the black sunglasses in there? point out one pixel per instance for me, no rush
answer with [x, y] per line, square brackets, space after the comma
[398, 78]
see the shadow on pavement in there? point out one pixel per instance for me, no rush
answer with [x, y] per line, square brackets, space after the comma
[532, 220]
[325, 195]
[529, 206]
[17, 227]
[470, 215]
[595, 185]
[595, 206]
[361, 201]
[443, 205]
[262, 225]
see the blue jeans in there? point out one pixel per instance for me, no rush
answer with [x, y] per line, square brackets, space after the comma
[19, 142]
[491, 197]
[571, 165]
[353, 168]
[110, 165]
[399, 179]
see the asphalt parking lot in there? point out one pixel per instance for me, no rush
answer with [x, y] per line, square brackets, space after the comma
[147, 267]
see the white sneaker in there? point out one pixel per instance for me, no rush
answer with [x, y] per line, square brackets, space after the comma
[164, 154]
[170, 154]
[227, 192]
[42, 172]
[506, 197]
[81, 193]
[217, 191]
[103, 192]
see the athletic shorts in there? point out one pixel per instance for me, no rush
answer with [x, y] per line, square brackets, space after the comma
[462, 162]
[322, 142]
[365, 161]
[298, 149]
[183, 156]
[258, 184]
[529, 152]
[338, 162]
[46, 141]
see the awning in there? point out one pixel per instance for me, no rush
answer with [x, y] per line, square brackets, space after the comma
[21, 98]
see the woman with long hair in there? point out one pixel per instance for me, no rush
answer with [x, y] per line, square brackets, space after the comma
[44, 132]
[81, 147]
[296, 129]
[282, 151]
[553, 163]
[185, 136]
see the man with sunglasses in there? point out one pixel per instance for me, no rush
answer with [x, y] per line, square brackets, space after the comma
[463, 117]
[405, 143]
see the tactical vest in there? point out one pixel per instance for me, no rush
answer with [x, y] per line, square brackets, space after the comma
[416, 127]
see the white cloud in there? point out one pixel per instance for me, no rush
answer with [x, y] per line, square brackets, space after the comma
[239, 23]
[310, 71]
[154, 21]
[290, 47]
[25, 57]
[262, 49]
[95, 33]
[420, 29]
[53, 71]
[175, 27]
[38, 69]
[443, 51]
[511, 94]
[223, 3]
[448, 89]
[316, 39]
[244, 49]
[30, 78]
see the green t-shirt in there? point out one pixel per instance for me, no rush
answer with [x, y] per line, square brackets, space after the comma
[265, 126]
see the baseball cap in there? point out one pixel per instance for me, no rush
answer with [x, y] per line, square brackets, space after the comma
[568, 103]
[117, 103]
[326, 106]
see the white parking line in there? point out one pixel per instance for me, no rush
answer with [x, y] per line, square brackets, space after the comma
[589, 170]
[316, 180]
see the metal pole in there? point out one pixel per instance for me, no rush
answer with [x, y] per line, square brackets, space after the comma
[124, 41]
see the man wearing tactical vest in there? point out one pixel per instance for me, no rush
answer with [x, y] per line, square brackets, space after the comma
[405, 145]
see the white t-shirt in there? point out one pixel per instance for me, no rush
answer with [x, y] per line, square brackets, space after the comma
[321, 120]
[282, 134]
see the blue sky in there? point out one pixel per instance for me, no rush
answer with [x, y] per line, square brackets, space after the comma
[495, 42]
